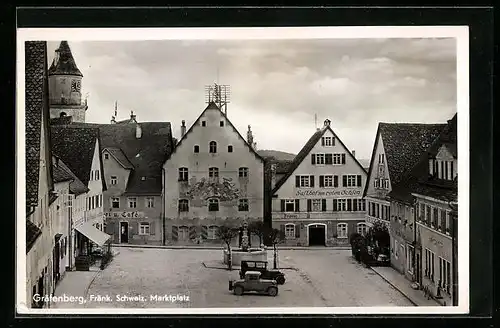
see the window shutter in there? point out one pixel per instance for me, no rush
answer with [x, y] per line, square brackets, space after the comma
[297, 231]
[335, 180]
[359, 180]
[355, 205]
[175, 233]
[313, 159]
[151, 228]
[329, 159]
[309, 205]
[349, 205]
[282, 205]
[192, 232]
[321, 181]
[323, 205]
[297, 205]
[335, 205]
[344, 181]
[333, 141]
[204, 232]
[343, 158]
[297, 181]
[134, 227]
[322, 141]
[311, 181]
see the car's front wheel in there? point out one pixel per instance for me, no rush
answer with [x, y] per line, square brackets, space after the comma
[280, 280]
[238, 290]
[272, 291]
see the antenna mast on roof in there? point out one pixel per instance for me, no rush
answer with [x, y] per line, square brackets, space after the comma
[218, 94]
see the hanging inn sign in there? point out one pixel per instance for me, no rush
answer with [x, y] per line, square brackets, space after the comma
[124, 215]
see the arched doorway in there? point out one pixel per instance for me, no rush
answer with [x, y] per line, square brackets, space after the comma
[316, 234]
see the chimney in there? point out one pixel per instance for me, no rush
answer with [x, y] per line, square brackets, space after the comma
[353, 153]
[183, 128]
[138, 131]
[113, 121]
[250, 136]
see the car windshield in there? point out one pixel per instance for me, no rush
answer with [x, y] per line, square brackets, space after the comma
[260, 265]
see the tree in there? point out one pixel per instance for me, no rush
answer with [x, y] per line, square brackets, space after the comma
[275, 236]
[227, 233]
[257, 228]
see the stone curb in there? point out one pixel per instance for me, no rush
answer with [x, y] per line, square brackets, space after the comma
[403, 293]
[222, 248]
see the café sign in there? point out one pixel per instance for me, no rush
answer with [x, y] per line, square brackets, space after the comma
[124, 215]
[328, 193]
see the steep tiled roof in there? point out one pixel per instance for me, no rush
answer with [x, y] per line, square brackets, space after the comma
[212, 105]
[403, 145]
[76, 186]
[36, 104]
[417, 179]
[65, 65]
[305, 151]
[146, 154]
[75, 146]
[120, 157]
[32, 233]
[63, 120]
[59, 174]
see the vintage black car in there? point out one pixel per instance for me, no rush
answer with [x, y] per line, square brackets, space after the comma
[253, 282]
[261, 266]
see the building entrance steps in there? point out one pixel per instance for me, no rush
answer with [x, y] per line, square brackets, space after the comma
[398, 281]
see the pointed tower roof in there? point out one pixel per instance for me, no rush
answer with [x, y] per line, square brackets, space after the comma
[64, 63]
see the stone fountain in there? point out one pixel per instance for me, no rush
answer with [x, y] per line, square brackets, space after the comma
[245, 252]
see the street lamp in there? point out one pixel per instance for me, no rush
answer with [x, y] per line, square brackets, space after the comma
[454, 218]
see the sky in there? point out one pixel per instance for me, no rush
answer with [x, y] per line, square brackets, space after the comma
[277, 86]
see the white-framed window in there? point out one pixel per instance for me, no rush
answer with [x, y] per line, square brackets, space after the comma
[341, 230]
[213, 172]
[341, 205]
[203, 123]
[183, 174]
[212, 232]
[351, 180]
[445, 276]
[327, 181]
[429, 264]
[362, 228]
[183, 205]
[106, 156]
[230, 149]
[113, 179]
[376, 183]
[327, 141]
[385, 183]
[97, 174]
[290, 230]
[132, 202]
[243, 172]
[212, 147]
[305, 181]
[320, 159]
[196, 149]
[183, 233]
[338, 159]
[381, 158]
[144, 228]
[289, 205]
[213, 205]
[243, 205]
[150, 202]
[410, 251]
[316, 205]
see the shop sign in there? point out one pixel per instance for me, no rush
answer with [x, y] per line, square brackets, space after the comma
[124, 215]
[328, 193]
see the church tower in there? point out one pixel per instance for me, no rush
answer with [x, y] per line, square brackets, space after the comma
[65, 86]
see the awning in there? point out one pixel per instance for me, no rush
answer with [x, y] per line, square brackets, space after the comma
[92, 233]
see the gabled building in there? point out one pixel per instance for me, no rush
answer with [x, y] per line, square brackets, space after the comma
[80, 148]
[132, 155]
[39, 184]
[432, 187]
[319, 201]
[213, 177]
[397, 148]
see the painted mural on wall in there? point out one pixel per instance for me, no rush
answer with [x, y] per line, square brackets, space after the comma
[224, 189]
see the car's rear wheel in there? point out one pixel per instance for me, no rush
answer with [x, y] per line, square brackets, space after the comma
[272, 291]
[280, 280]
[238, 290]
